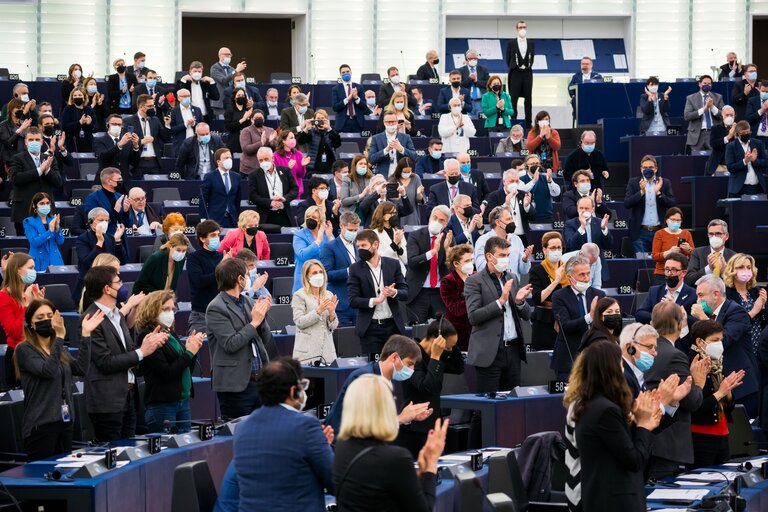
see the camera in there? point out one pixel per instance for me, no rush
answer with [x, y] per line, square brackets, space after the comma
[318, 123]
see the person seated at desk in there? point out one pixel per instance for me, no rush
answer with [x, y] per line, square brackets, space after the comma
[167, 371]
[46, 368]
[319, 194]
[669, 240]
[719, 138]
[43, 232]
[94, 241]
[162, 269]
[316, 231]
[297, 446]
[246, 235]
[314, 315]
[433, 160]
[655, 108]
[585, 74]
[423, 105]
[647, 198]
[587, 157]
[747, 162]
[512, 144]
[456, 128]
[141, 216]
[581, 186]
[184, 118]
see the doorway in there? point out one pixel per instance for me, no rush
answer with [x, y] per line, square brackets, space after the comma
[760, 43]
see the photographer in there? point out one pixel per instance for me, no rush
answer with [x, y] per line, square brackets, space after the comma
[321, 141]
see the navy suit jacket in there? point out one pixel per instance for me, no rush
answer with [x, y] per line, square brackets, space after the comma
[686, 298]
[445, 96]
[458, 233]
[753, 115]
[306, 461]
[98, 198]
[734, 160]
[578, 79]
[338, 93]
[380, 160]
[738, 353]
[428, 165]
[565, 306]
[335, 259]
[361, 289]
[178, 128]
[574, 240]
[215, 202]
[439, 194]
[482, 79]
[635, 202]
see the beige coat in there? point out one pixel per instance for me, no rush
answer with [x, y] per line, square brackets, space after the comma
[314, 333]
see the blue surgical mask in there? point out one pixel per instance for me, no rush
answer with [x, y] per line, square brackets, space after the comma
[403, 374]
[302, 110]
[465, 168]
[239, 85]
[34, 146]
[752, 76]
[584, 188]
[213, 245]
[44, 209]
[371, 102]
[346, 77]
[674, 226]
[186, 102]
[92, 89]
[361, 171]
[30, 276]
[271, 103]
[763, 96]
[588, 148]
[645, 362]
[226, 60]
[205, 139]
[437, 154]
[151, 83]
[349, 236]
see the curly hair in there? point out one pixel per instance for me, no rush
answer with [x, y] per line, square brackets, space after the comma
[149, 308]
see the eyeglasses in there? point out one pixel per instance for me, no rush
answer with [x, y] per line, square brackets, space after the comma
[719, 235]
[668, 270]
[651, 348]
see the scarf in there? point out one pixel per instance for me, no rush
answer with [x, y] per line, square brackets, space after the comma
[551, 268]
[715, 371]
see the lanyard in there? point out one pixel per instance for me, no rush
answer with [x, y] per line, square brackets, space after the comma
[376, 280]
[272, 183]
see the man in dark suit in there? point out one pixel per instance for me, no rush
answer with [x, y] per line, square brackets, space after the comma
[712, 258]
[455, 90]
[586, 227]
[116, 150]
[239, 338]
[746, 160]
[145, 219]
[388, 147]
[152, 135]
[586, 73]
[348, 102]
[379, 186]
[588, 157]
[702, 112]
[474, 78]
[581, 186]
[220, 191]
[184, 118]
[428, 70]
[108, 197]
[654, 107]
[433, 160]
[202, 89]
[32, 172]
[465, 224]
[519, 58]
[648, 197]
[189, 164]
[426, 250]
[224, 73]
[738, 354]
[271, 106]
[138, 68]
[299, 117]
[473, 177]
[337, 256]
[153, 89]
[272, 190]
[574, 309]
[757, 112]
[388, 89]
[673, 446]
[110, 385]
[423, 106]
[376, 286]
[445, 192]
[674, 290]
[731, 69]
[745, 87]
[523, 209]
[53, 144]
[307, 465]
[719, 138]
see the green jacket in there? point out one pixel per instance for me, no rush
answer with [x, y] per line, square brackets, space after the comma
[154, 272]
[492, 114]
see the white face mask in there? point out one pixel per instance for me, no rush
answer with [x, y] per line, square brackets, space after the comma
[522, 32]
[77, 73]
[468, 268]
[317, 280]
[715, 242]
[266, 165]
[580, 287]
[395, 79]
[472, 62]
[391, 128]
[406, 174]
[512, 188]
[715, 350]
[502, 264]
[728, 120]
[543, 123]
[456, 110]
[166, 318]
[515, 140]
[227, 163]
[653, 88]
[104, 226]
[586, 215]
[196, 76]
[434, 228]
[24, 98]
[554, 256]
[178, 255]
[114, 131]
[323, 194]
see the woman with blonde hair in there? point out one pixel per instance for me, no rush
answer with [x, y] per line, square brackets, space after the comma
[356, 185]
[398, 104]
[386, 224]
[740, 277]
[162, 269]
[168, 370]
[247, 235]
[370, 473]
[314, 314]
[97, 102]
[316, 232]
[126, 304]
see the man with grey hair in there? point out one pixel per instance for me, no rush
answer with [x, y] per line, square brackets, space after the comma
[512, 144]
[738, 351]
[195, 157]
[378, 185]
[108, 197]
[591, 251]
[445, 192]
[519, 203]
[587, 228]
[21, 91]
[202, 89]
[574, 310]
[95, 240]
[141, 216]
[428, 70]
[711, 258]
[465, 224]
[336, 256]
[501, 224]
[271, 106]
[300, 117]
[474, 77]
[223, 73]
[720, 136]
[587, 156]
[426, 265]
[271, 189]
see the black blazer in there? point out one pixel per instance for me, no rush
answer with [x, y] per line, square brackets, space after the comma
[539, 279]
[499, 198]
[10, 143]
[477, 180]
[739, 100]
[427, 72]
[568, 205]
[613, 458]
[114, 92]
[697, 264]
[188, 156]
[649, 111]
[482, 78]
[418, 244]
[565, 306]
[385, 93]
[634, 201]
[27, 182]
[109, 155]
[289, 118]
[158, 91]
[163, 371]
[439, 193]
[514, 59]
[157, 130]
[106, 384]
[361, 289]
[717, 142]
[87, 250]
[369, 203]
[259, 194]
[210, 92]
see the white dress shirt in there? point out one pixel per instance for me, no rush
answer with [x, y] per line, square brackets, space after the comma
[751, 178]
[196, 93]
[114, 317]
[146, 129]
[186, 115]
[380, 311]
[516, 264]
[274, 183]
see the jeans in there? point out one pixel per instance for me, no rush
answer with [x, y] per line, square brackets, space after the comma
[477, 107]
[644, 241]
[168, 416]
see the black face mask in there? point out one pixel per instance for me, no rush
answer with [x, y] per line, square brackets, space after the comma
[468, 212]
[496, 88]
[672, 281]
[364, 254]
[455, 85]
[258, 122]
[612, 322]
[534, 168]
[311, 224]
[44, 328]
[242, 100]
[19, 114]
[252, 230]
[744, 137]
[48, 130]
[510, 228]
[394, 221]
[436, 62]
[78, 101]
[151, 112]
[453, 179]
[120, 69]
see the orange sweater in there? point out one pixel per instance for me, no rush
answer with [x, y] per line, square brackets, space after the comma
[534, 141]
[663, 240]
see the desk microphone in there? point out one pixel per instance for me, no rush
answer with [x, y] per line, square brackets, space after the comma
[316, 362]
[170, 427]
[565, 337]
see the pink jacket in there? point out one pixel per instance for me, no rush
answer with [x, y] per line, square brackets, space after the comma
[298, 170]
[234, 240]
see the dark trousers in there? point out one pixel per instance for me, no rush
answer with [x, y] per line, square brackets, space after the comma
[48, 440]
[709, 450]
[145, 167]
[412, 440]
[426, 305]
[749, 190]
[10, 370]
[111, 426]
[350, 125]
[377, 334]
[235, 405]
[19, 226]
[520, 84]
[502, 375]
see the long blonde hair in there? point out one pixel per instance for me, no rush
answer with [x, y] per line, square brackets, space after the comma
[391, 105]
[369, 410]
[104, 259]
[305, 277]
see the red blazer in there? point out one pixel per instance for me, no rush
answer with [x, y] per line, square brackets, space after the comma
[452, 293]
[234, 240]
[11, 319]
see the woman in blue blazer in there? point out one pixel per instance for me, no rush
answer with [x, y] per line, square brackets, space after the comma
[43, 232]
[307, 242]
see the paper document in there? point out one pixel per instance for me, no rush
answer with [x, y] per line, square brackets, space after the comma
[620, 61]
[487, 49]
[577, 49]
[458, 60]
[84, 458]
[678, 494]
[540, 63]
[709, 476]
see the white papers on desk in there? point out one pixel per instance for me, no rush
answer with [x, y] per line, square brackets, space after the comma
[678, 494]
[577, 49]
[487, 49]
[691, 483]
[83, 458]
[73, 465]
[620, 61]
[710, 476]
[540, 63]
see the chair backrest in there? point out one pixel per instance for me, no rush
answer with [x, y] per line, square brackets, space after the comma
[279, 76]
[471, 495]
[645, 279]
[627, 251]
[282, 289]
[281, 250]
[129, 287]
[192, 219]
[177, 76]
[741, 435]
[280, 316]
[144, 252]
[500, 502]
[349, 146]
[504, 476]
[370, 77]
[61, 297]
[4, 73]
[6, 250]
[489, 166]
[193, 488]
[80, 193]
[86, 168]
[165, 194]
[537, 372]
[347, 342]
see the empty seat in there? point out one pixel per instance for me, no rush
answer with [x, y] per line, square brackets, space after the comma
[280, 316]
[367, 78]
[489, 166]
[504, 477]
[281, 250]
[471, 496]
[348, 146]
[741, 438]
[192, 219]
[282, 289]
[169, 150]
[347, 342]
[193, 488]
[7, 226]
[500, 502]
[61, 296]
[165, 194]
[80, 193]
[279, 76]
[645, 279]
[144, 252]
[86, 168]
[14, 250]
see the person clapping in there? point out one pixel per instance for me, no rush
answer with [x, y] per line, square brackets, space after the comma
[314, 313]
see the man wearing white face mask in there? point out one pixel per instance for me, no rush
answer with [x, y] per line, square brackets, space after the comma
[336, 256]
[474, 77]
[222, 73]
[519, 203]
[719, 138]
[587, 228]
[271, 189]
[220, 192]
[711, 258]
[202, 88]
[519, 58]
[455, 128]
[395, 84]
[389, 147]
[502, 226]
[117, 148]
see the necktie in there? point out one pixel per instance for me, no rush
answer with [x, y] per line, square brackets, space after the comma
[350, 107]
[582, 312]
[140, 218]
[453, 193]
[763, 123]
[707, 115]
[226, 182]
[37, 162]
[433, 265]
[116, 141]
[152, 92]
[589, 232]
[716, 270]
